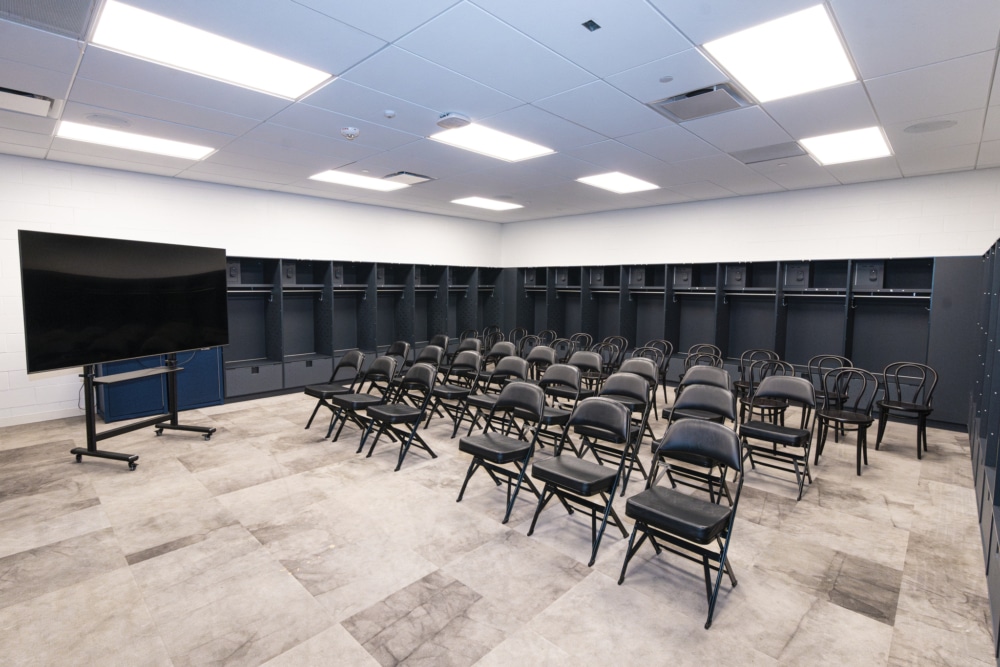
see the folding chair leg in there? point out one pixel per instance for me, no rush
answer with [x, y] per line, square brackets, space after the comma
[313, 415]
[631, 550]
[468, 475]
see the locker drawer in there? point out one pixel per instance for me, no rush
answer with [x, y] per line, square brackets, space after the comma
[253, 379]
[308, 371]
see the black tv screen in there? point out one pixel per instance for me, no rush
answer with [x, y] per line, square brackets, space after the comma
[91, 300]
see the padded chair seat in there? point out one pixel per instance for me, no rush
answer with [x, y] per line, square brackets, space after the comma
[356, 402]
[484, 401]
[902, 406]
[494, 447]
[584, 478]
[703, 415]
[451, 392]
[687, 516]
[782, 435]
[395, 413]
[627, 401]
[327, 390]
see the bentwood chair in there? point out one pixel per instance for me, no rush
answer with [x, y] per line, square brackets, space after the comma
[848, 398]
[909, 388]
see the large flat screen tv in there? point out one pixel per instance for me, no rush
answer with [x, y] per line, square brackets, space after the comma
[91, 300]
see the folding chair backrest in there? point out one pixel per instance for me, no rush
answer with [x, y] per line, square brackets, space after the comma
[382, 370]
[628, 385]
[349, 366]
[441, 340]
[473, 344]
[526, 398]
[541, 354]
[703, 438]
[710, 375]
[586, 361]
[561, 375]
[432, 354]
[641, 366]
[511, 367]
[420, 378]
[795, 389]
[603, 415]
[706, 398]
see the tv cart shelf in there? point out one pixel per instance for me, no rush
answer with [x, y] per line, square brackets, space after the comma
[166, 421]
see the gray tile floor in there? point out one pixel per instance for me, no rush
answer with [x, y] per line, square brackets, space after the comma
[268, 544]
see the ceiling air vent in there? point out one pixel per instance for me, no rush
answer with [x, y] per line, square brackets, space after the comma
[69, 18]
[22, 102]
[766, 153]
[700, 103]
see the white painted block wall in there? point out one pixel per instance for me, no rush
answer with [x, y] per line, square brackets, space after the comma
[946, 215]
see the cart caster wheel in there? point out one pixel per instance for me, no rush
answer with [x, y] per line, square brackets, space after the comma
[159, 432]
[79, 458]
[207, 436]
[131, 466]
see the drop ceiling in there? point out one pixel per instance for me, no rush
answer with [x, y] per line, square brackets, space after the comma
[927, 73]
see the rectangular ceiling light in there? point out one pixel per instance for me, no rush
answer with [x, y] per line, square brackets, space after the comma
[142, 34]
[131, 141]
[616, 181]
[493, 143]
[795, 54]
[483, 202]
[357, 181]
[851, 146]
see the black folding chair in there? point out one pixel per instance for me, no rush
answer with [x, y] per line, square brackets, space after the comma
[402, 418]
[342, 381]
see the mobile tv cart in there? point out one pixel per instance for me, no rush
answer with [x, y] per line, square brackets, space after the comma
[160, 422]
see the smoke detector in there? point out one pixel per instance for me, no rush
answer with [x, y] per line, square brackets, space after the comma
[450, 121]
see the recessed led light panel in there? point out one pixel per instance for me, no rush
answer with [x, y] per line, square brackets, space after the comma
[493, 143]
[483, 202]
[356, 181]
[616, 181]
[142, 34]
[795, 54]
[851, 146]
[131, 141]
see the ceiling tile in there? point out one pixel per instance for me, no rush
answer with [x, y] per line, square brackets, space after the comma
[968, 129]
[27, 124]
[115, 158]
[937, 160]
[989, 155]
[702, 190]
[116, 101]
[128, 73]
[248, 170]
[866, 170]
[614, 156]
[25, 45]
[795, 173]
[886, 37]
[991, 129]
[738, 130]
[473, 43]
[537, 125]
[348, 98]
[672, 143]
[604, 109]
[823, 112]
[386, 19]
[934, 90]
[414, 79]
[631, 32]
[317, 121]
[34, 80]
[688, 71]
[270, 158]
[335, 152]
[78, 113]
[21, 149]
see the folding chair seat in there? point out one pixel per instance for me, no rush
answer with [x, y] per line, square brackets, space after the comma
[342, 381]
[702, 354]
[689, 526]
[632, 391]
[776, 445]
[848, 398]
[707, 403]
[351, 406]
[493, 450]
[450, 395]
[909, 388]
[575, 481]
[478, 404]
[402, 418]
